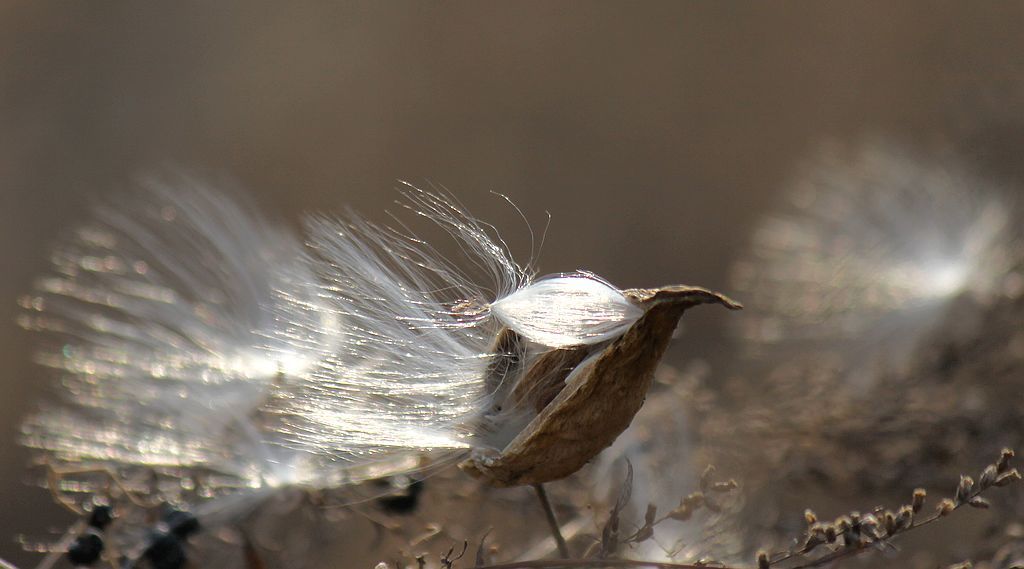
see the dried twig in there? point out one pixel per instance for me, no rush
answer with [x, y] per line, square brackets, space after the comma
[854, 534]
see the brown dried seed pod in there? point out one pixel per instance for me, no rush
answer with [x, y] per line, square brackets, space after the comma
[809, 517]
[600, 401]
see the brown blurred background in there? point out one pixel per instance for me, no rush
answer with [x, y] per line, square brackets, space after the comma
[653, 133]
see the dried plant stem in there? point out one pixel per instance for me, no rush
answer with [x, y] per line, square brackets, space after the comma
[53, 558]
[549, 512]
[968, 493]
[858, 549]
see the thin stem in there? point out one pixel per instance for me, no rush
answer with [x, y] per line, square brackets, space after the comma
[54, 556]
[549, 512]
[862, 547]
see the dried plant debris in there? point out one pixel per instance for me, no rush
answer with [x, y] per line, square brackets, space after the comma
[831, 419]
[612, 539]
[823, 543]
[597, 397]
[827, 542]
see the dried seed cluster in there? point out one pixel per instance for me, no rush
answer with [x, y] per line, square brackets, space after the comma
[853, 532]
[705, 499]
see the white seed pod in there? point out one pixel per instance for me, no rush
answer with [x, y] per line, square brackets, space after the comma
[568, 310]
[868, 249]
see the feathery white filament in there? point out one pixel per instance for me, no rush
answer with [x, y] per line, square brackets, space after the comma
[568, 310]
[410, 371]
[873, 243]
[164, 320]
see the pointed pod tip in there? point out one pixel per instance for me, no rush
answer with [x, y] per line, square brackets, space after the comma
[729, 303]
[697, 295]
[682, 294]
